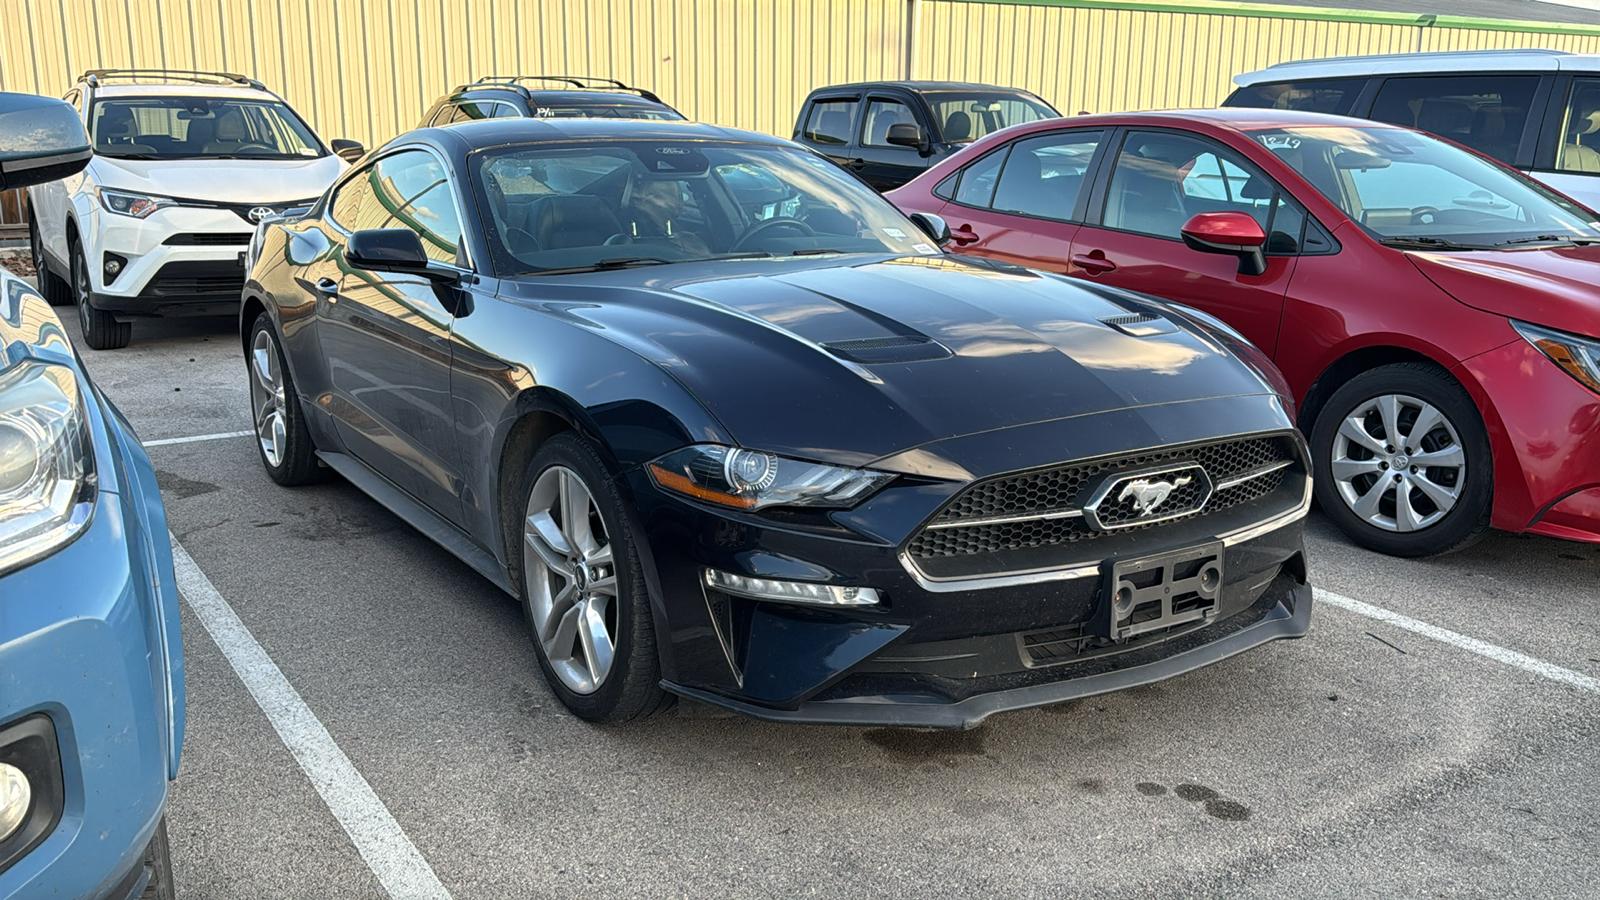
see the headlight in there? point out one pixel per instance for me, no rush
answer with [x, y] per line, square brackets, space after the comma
[1579, 357]
[751, 479]
[47, 479]
[138, 206]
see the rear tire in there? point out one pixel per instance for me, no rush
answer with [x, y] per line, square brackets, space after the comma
[583, 587]
[282, 438]
[54, 288]
[158, 859]
[1402, 462]
[101, 330]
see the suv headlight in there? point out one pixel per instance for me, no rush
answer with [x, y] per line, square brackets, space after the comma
[1577, 356]
[126, 203]
[47, 476]
[751, 479]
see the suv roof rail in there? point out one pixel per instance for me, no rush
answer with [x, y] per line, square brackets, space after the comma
[148, 76]
[582, 82]
[1431, 54]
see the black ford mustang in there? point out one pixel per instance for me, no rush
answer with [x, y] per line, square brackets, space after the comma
[735, 429]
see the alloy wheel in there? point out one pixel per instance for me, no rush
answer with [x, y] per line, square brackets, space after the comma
[267, 398]
[80, 291]
[572, 580]
[1398, 463]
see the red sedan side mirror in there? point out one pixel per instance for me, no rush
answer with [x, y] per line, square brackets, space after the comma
[1234, 233]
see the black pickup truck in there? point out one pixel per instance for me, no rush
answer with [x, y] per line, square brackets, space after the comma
[889, 132]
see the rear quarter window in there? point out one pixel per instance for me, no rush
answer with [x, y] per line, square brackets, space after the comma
[1335, 96]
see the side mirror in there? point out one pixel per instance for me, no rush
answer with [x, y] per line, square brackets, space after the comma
[933, 226]
[41, 140]
[394, 250]
[347, 150]
[1234, 233]
[905, 134]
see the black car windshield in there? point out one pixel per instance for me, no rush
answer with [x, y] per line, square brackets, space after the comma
[604, 111]
[1410, 188]
[200, 128]
[965, 116]
[577, 206]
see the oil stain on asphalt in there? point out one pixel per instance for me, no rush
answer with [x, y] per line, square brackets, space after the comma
[1216, 806]
[927, 746]
[180, 488]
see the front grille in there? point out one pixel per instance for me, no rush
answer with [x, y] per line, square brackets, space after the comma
[1043, 508]
[191, 278]
[192, 239]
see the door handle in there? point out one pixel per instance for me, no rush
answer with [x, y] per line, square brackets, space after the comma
[328, 287]
[1094, 262]
[963, 234]
[857, 163]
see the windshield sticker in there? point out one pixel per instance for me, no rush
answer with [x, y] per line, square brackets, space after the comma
[924, 248]
[1280, 141]
[895, 233]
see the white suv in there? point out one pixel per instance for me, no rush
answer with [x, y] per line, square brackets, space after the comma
[185, 164]
[1537, 110]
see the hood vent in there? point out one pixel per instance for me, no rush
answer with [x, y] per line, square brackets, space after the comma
[894, 348]
[1140, 324]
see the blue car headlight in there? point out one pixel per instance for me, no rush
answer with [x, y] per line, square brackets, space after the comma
[752, 479]
[47, 475]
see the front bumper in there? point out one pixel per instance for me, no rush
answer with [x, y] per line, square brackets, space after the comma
[1544, 429]
[179, 261]
[89, 646]
[945, 654]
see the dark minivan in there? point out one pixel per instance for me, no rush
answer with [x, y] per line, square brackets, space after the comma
[889, 132]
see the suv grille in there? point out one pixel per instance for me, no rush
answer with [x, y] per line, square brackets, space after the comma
[1044, 508]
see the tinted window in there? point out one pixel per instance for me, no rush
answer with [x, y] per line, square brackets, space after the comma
[199, 128]
[1334, 96]
[976, 187]
[1484, 112]
[1580, 142]
[470, 110]
[1043, 175]
[406, 190]
[946, 189]
[880, 115]
[344, 208]
[829, 121]
[1161, 180]
[963, 117]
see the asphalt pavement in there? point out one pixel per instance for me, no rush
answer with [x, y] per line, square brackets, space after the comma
[1368, 759]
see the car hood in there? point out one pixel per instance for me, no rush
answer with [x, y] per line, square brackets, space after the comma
[1557, 287]
[220, 180]
[855, 360]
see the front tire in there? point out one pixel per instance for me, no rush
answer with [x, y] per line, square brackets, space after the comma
[282, 437]
[1403, 463]
[158, 859]
[54, 288]
[583, 588]
[101, 330]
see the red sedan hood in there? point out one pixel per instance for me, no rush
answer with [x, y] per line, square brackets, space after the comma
[1558, 288]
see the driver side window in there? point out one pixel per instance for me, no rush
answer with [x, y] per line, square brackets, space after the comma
[409, 189]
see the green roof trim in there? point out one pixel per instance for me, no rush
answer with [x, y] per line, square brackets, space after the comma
[1315, 14]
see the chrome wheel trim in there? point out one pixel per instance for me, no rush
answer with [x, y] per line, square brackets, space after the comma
[1398, 463]
[572, 581]
[267, 398]
[80, 291]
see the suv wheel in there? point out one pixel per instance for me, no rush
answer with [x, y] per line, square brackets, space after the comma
[583, 587]
[158, 861]
[1402, 461]
[101, 330]
[54, 288]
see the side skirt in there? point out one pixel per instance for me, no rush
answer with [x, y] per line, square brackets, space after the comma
[418, 516]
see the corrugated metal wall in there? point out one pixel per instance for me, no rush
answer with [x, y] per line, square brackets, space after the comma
[367, 69]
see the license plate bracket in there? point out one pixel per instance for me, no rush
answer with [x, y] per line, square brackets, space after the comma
[1152, 593]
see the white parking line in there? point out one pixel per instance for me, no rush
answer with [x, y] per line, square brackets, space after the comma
[400, 868]
[198, 437]
[1470, 644]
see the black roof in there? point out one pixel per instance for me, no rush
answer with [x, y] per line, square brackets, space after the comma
[560, 96]
[464, 137]
[924, 86]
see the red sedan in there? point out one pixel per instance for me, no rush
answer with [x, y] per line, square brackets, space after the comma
[1436, 314]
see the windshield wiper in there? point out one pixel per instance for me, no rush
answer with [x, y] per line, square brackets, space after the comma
[1426, 243]
[818, 251]
[1551, 239]
[128, 155]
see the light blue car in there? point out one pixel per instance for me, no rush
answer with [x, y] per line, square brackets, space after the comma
[91, 666]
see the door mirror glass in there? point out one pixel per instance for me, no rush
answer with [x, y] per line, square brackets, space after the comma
[41, 139]
[347, 150]
[1233, 233]
[933, 226]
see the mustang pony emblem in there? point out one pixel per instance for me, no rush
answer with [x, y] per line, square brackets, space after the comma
[1147, 495]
